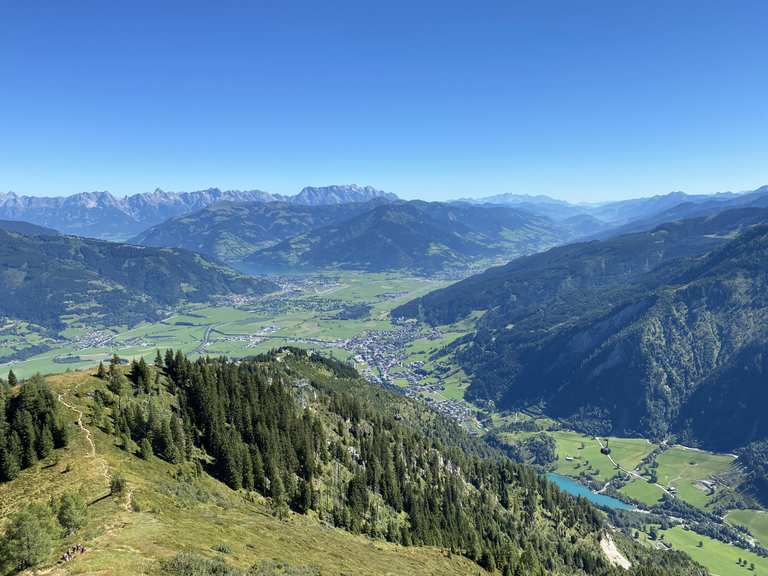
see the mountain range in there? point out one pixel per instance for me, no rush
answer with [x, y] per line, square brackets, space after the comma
[231, 231]
[45, 279]
[652, 333]
[102, 215]
[417, 236]
[422, 237]
[643, 213]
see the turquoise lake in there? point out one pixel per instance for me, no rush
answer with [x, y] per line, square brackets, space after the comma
[573, 487]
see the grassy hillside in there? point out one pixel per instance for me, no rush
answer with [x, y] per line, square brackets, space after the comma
[755, 520]
[167, 508]
[722, 560]
[167, 514]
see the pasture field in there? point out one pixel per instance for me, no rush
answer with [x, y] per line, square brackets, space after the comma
[578, 453]
[689, 472]
[642, 491]
[16, 337]
[721, 559]
[755, 520]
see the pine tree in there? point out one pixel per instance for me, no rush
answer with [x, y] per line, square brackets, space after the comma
[179, 437]
[72, 513]
[117, 485]
[101, 373]
[26, 428]
[29, 537]
[140, 375]
[9, 464]
[259, 482]
[146, 449]
[304, 501]
[279, 499]
[167, 449]
[45, 443]
[12, 381]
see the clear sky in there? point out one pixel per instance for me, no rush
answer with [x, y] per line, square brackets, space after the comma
[579, 99]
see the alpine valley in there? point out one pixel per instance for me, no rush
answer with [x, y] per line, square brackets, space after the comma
[345, 382]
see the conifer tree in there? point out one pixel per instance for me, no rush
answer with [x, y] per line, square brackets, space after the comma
[12, 381]
[9, 463]
[44, 443]
[29, 537]
[146, 449]
[279, 499]
[72, 513]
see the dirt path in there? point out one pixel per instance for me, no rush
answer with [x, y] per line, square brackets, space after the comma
[89, 438]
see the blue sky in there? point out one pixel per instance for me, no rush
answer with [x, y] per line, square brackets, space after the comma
[583, 100]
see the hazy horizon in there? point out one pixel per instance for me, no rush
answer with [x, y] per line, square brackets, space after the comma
[477, 196]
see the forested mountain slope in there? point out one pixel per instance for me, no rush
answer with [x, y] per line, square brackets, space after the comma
[304, 440]
[621, 336]
[43, 278]
[570, 274]
[26, 228]
[232, 231]
[418, 236]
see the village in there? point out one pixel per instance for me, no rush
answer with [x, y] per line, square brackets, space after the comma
[381, 356]
[382, 352]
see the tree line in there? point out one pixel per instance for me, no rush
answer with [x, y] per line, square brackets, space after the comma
[31, 426]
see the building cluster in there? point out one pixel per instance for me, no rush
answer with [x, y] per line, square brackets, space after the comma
[94, 339]
[455, 409]
[382, 353]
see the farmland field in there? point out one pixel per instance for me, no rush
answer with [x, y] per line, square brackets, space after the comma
[345, 315]
[689, 471]
[578, 453]
[308, 313]
[721, 559]
[755, 520]
[642, 491]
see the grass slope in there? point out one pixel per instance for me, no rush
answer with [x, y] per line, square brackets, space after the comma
[627, 452]
[719, 558]
[755, 520]
[684, 469]
[162, 514]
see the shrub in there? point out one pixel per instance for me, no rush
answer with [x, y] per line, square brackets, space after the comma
[117, 485]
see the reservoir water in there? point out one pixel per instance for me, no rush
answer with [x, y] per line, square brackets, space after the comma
[577, 489]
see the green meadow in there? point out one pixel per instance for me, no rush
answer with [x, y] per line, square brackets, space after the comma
[721, 559]
[689, 471]
[580, 454]
[755, 520]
